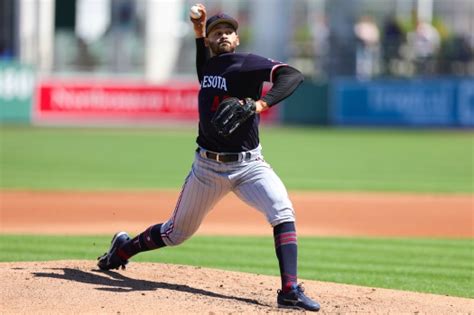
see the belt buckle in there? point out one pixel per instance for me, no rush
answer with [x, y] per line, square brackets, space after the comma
[217, 157]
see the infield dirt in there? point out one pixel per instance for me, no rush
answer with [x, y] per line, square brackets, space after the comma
[77, 287]
[326, 214]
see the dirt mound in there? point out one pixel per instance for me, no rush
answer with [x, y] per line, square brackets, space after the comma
[78, 287]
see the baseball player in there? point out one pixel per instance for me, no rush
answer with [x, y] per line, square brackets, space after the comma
[229, 155]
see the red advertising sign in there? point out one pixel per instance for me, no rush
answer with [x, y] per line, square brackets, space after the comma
[83, 101]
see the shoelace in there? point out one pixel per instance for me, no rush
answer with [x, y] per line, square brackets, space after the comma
[299, 288]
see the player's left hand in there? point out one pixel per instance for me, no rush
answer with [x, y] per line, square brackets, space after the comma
[232, 113]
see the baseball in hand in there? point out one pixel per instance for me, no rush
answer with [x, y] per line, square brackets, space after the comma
[194, 12]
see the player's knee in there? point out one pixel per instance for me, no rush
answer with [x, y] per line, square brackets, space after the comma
[177, 238]
[284, 215]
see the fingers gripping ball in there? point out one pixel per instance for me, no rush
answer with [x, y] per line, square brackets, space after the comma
[194, 12]
[231, 114]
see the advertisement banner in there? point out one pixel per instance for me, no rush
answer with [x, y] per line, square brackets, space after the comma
[16, 91]
[89, 102]
[82, 101]
[428, 102]
[465, 101]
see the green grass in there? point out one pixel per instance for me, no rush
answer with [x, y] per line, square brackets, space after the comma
[305, 158]
[434, 266]
[374, 160]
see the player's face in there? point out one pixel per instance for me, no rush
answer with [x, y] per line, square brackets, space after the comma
[222, 39]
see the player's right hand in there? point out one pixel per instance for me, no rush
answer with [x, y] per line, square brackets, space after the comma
[200, 24]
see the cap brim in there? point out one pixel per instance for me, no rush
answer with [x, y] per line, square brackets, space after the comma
[231, 22]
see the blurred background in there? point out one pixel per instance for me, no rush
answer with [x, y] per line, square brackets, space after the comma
[389, 85]
[367, 62]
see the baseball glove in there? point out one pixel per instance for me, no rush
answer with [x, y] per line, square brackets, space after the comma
[231, 114]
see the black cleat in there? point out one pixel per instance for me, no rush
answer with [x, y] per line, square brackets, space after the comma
[296, 299]
[110, 259]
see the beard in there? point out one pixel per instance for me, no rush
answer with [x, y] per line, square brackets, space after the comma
[222, 48]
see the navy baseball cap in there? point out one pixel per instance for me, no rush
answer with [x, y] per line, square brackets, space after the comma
[220, 18]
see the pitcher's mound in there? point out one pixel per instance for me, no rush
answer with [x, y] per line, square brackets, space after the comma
[78, 287]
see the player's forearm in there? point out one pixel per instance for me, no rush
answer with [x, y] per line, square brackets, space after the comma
[199, 27]
[202, 54]
[199, 34]
[286, 80]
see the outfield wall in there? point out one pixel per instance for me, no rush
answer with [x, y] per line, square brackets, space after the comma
[433, 102]
[440, 102]
[17, 84]
[79, 101]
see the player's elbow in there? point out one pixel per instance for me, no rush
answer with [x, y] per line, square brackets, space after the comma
[296, 76]
[289, 75]
[293, 78]
[300, 77]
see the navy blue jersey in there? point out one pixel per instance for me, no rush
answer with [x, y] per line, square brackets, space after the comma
[239, 75]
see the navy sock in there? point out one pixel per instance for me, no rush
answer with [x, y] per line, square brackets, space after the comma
[145, 241]
[287, 252]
